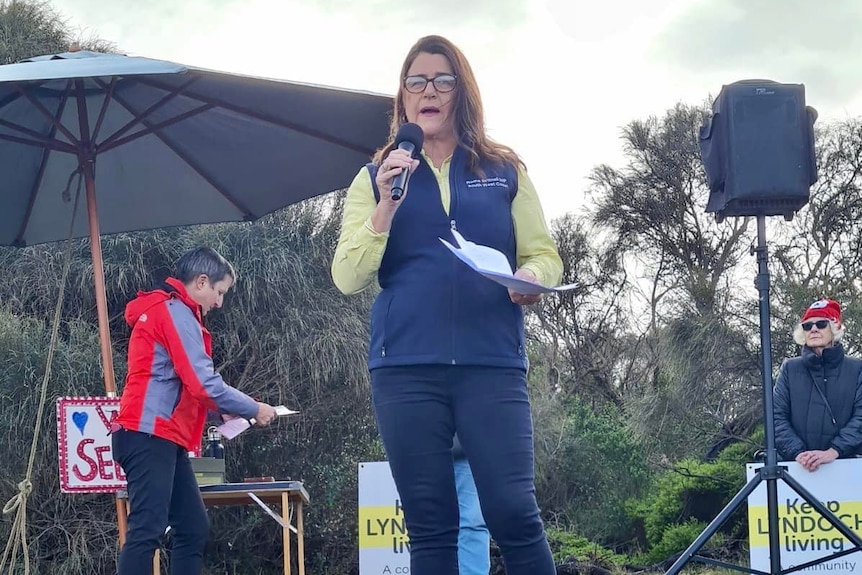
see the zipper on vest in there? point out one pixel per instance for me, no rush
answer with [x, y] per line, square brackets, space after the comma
[454, 181]
[452, 306]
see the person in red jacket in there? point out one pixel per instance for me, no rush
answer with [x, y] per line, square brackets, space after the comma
[170, 387]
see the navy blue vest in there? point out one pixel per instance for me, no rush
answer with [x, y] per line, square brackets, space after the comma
[432, 308]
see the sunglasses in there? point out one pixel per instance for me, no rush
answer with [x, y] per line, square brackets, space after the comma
[820, 323]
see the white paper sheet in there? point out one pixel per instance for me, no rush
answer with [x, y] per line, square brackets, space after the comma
[233, 427]
[493, 265]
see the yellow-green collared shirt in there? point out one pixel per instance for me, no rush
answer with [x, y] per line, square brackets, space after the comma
[360, 248]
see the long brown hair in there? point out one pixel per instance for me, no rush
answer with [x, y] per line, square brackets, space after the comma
[469, 114]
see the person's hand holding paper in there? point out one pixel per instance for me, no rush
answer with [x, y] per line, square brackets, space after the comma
[524, 298]
[236, 425]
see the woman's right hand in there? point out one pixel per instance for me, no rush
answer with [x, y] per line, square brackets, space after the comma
[395, 162]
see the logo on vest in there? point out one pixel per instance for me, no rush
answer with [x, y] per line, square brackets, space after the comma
[496, 182]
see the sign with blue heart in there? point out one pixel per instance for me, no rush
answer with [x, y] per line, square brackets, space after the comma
[84, 445]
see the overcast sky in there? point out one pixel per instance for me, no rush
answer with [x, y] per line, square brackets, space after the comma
[558, 77]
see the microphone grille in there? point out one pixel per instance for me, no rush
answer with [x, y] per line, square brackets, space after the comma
[412, 133]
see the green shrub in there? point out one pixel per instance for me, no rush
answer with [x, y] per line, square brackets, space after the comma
[585, 476]
[677, 538]
[688, 496]
[567, 546]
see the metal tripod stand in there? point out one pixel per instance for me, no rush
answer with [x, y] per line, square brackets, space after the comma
[771, 472]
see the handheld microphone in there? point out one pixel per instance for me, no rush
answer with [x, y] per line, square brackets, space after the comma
[409, 138]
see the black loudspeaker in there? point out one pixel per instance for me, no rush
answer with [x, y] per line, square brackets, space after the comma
[758, 150]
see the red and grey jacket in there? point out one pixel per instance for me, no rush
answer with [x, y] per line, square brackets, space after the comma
[172, 384]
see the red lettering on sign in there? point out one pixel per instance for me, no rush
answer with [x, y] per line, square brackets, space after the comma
[105, 465]
[91, 474]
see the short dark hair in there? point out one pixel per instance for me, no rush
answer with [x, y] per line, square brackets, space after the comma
[206, 261]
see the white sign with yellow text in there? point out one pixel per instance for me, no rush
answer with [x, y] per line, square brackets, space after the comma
[383, 545]
[805, 535]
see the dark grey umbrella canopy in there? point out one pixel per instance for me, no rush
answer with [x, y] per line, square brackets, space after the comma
[171, 145]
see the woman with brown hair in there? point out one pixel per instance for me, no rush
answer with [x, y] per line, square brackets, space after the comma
[447, 350]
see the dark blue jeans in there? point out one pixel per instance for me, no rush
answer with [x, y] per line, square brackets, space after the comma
[162, 491]
[418, 410]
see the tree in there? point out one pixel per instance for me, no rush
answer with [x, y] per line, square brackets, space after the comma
[579, 330]
[695, 348]
[819, 253]
[31, 28]
[653, 210]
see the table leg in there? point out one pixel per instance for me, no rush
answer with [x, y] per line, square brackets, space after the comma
[300, 538]
[285, 515]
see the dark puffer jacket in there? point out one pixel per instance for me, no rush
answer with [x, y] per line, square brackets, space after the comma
[818, 404]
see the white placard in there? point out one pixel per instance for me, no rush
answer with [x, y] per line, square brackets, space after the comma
[84, 445]
[383, 544]
[804, 535]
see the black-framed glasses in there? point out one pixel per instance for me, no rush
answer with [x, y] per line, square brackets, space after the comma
[442, 83]
[820, 323]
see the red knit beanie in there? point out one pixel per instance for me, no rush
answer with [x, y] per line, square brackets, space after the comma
[827, 308]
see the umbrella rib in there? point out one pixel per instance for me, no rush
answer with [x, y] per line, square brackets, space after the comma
[265, 118]
[109, 92]
[9, 99]
[38, 105]
[147, 130]
[38, 139]
[55, 145]
[247, 214]
[14, 96]
[46, 153]
[19, 128]
[172, 93]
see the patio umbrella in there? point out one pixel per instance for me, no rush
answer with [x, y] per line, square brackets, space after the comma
[160, 144]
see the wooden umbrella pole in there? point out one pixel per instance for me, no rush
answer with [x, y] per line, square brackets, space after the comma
[102, 311]
[87, 163]
[99, 279]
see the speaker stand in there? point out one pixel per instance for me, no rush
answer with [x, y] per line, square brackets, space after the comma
[771, 472]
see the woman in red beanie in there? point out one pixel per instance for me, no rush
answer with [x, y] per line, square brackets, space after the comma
[818, 396]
